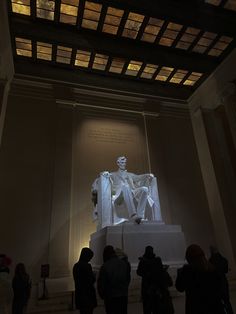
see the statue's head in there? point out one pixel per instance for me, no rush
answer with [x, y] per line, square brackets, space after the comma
[121, 162]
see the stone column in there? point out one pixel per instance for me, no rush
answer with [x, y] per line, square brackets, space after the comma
[59, 242]
[229, 102]
[4, 89]
[216, 207]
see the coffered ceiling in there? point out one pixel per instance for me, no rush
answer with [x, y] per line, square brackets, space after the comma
[161, 47]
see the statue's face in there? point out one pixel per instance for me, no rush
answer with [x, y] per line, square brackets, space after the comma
[122, 163]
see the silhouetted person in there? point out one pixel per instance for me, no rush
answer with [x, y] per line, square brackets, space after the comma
[221, 265]
[85, 294]
[155, 283]
[201, 283]
[21, 285]
[113, 282]
[5, 285]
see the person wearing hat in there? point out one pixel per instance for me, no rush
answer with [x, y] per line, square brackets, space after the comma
[201, 284]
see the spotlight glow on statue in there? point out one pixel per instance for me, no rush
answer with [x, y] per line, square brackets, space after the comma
[124, 196]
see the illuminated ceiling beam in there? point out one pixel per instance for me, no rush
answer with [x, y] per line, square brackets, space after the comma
[195, 13]
[116, 47]
[81, 78]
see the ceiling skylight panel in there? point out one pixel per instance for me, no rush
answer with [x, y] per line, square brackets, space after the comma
[63, 54]
[231, 5]
[220, 46]
[178, 76]
[21, 6]
[44, 51]
[192, 78]
[112, 20]
[100, 62]
[23, 47]
[204, 42]
[69, 11]
[213, 2]
[132, 25]
[133, 68]
[45, 9]
[164, 73]
[152, 29]
[82, 58]
[92, 12]
[149, 71]
[187, 38]
[170, 34]
[117, 65]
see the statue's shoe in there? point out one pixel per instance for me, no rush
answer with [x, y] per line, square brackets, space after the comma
[138, 220]
[135, 218]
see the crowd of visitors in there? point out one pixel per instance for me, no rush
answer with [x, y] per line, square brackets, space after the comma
[203, 280]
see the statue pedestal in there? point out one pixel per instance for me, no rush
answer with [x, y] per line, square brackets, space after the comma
[167, 240]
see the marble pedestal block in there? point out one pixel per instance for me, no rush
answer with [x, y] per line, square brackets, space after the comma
[167, 240]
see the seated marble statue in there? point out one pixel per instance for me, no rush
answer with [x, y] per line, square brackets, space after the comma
[124, 196]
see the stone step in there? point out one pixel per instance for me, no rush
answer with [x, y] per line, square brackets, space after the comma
[52, 303]
[62, 301]
[49, 308]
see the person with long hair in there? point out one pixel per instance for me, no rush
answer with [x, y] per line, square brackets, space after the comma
[21, 285]
[201, 283]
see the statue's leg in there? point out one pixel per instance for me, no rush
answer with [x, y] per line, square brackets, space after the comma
[129, 200]
[141, 195]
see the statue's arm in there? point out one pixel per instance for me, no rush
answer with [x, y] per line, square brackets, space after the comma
[143, 179]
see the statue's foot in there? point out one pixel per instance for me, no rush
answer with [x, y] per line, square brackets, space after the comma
[138, 220]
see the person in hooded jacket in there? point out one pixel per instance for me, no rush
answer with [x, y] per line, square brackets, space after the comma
[84, 278]
[155, 283]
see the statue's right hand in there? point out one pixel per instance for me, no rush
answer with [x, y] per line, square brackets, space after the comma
[105, 174]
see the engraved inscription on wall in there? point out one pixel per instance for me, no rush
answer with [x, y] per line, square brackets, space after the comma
[110, 135]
